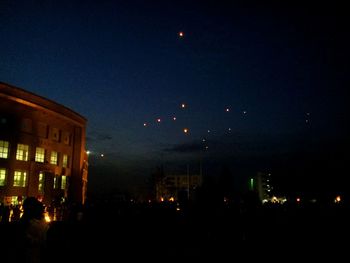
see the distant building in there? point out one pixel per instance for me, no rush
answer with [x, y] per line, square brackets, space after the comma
[262, 185]
[42, 149]
[177, 187]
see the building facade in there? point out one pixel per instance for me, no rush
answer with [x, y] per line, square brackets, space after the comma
[262, 185]
[42, 149]
[177, 187]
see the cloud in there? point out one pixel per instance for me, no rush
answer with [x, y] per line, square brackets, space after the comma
[103, 137]
[185, 148]
[238, 145]
[98, 137]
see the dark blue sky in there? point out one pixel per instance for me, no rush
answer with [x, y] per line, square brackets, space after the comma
[122, 63]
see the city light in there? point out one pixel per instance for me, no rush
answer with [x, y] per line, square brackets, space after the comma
[94, 153]
[337, 199]
[251, 183]
[47, 217]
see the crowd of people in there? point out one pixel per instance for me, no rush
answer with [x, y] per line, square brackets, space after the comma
[170, 229]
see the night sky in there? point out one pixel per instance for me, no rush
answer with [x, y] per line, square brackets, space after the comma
[269, 81]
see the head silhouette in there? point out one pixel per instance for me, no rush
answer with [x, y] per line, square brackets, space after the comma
[33, 208]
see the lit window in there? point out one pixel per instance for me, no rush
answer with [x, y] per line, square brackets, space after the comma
[4, 149]
[14, 200]
[63, 182]
[65, 160]
[41, 182]
[2, 176]
[22, 152]
[56, 182]
[20, 178]
[40, 154]
[54, 157]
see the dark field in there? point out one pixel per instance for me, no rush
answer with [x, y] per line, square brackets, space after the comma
[124, 232]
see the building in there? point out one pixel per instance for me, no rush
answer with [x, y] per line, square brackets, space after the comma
[177, 187]
[263, 185]
[42, 149]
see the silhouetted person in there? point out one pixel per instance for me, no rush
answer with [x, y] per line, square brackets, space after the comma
[16, 213]
[33, 231]
[6, 211]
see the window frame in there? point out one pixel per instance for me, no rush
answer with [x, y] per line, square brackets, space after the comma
[39, 156]
[22, 152]
[22, 182]
[4, 150]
